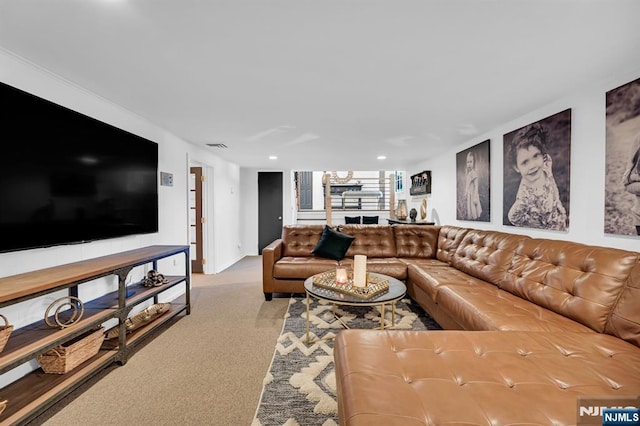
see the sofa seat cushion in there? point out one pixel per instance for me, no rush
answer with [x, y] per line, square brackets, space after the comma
[430, 280]
[301, 268]
[382, 265]
[480, 378]
[486, 307]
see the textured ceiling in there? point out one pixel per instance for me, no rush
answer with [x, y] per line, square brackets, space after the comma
[326, 84]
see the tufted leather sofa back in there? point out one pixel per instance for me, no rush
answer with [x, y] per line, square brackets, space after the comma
[371, 240]
[486, 254]
[300, 240]
[416, 241]
[581, 282]
[624, 320]
[449, 239]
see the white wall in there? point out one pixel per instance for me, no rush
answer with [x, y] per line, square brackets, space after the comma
[173, 157]
[249, 214]
[588, 131]
[317, 189]
[221, 196]
[587, 175]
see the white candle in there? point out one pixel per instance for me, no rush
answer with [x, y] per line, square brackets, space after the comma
[341, 275]
[360, 270]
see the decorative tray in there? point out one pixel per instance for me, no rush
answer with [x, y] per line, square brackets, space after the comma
[375, 285]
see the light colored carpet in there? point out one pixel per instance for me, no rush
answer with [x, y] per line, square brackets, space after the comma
[205, 369]
[300, 386]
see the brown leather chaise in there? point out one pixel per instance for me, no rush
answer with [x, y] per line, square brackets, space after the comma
[532, 326]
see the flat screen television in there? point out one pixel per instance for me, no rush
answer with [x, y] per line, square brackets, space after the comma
[68, 178]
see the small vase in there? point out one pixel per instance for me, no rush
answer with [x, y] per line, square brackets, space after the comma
[423, 209]
[413, 213]
[401, 210]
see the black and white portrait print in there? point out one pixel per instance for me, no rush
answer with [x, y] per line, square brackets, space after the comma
[472, 183]
[622, 185]
[537, 160]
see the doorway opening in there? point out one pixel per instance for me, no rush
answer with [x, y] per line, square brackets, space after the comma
[196, 219]
[335, 196]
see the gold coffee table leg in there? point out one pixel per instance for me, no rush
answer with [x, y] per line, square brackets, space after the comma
[338, 318]
[383, 323]
[393, 314]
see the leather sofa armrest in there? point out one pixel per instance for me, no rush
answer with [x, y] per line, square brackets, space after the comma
[270, 255]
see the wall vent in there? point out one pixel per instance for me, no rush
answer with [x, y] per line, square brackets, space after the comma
[217, 145]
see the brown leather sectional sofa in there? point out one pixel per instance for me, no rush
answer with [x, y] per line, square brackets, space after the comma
[533, 327]
[288, 261]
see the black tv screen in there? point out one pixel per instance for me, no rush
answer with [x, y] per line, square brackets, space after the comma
[68, 178]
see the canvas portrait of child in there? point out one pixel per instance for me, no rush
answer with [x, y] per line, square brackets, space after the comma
[472, 183]
[622, 184]
[536, 174]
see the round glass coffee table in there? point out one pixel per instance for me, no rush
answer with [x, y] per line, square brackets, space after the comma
[397, 290]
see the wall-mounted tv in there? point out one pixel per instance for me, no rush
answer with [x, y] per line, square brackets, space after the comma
[68, 178]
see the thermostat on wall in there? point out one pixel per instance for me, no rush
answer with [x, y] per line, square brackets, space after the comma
[166, 179]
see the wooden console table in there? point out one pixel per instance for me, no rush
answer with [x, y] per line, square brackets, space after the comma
[34, 393]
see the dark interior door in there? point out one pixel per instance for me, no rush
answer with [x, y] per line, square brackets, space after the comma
[269, 208]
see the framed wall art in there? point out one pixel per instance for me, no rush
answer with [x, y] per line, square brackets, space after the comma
[537, 162]
[472, 183]
[420, 183]
[622, 177]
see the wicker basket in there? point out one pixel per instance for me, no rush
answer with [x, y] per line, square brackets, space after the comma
[64, 358]
[140, 319]
[5, 332]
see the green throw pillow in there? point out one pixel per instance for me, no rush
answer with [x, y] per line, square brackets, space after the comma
[333, 244]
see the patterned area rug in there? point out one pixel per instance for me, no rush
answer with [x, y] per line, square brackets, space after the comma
[300, 387]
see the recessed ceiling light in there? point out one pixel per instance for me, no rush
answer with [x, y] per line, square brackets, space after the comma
[382, 157]
[273, 157]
